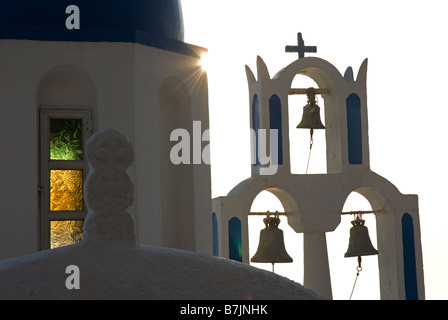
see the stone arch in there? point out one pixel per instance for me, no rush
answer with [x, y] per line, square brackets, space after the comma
[250, 188]
[320, 70]
[287, 201]
[243, 195]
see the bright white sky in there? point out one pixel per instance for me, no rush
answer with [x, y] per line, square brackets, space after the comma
[405, 42]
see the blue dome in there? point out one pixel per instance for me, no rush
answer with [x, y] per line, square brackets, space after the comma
[143, 21]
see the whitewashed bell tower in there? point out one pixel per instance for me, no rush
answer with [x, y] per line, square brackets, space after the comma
[313, 202]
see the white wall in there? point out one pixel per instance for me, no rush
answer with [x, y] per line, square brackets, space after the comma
[121, 83]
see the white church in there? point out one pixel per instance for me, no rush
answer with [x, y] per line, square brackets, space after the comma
[71, 69]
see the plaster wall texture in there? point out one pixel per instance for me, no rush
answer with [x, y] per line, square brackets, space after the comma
[120, 83]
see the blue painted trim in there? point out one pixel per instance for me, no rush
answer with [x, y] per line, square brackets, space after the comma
[215, 235]
[256, 126]
[409, 261]
[44, 33]
[275, 121]
[235, 240]
[354, 129]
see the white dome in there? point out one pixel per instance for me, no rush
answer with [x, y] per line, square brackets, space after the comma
[113, 266]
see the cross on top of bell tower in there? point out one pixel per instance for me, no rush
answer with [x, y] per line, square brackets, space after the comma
[300, 48]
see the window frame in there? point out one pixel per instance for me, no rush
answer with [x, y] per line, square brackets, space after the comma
[46, 165]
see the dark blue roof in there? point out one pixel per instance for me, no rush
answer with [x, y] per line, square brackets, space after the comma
[156, 23]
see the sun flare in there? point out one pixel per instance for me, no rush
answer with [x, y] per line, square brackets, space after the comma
[205, 61]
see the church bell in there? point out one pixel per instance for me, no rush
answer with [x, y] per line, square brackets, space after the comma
[311, 113]
[359, 242]
[271, 248]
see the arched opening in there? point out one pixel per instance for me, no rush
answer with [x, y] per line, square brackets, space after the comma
[343, 270]
[267, 201]
[302, 161]
[66, 99]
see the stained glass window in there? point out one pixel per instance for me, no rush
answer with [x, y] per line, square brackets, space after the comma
[64, 133]
[66, 192]
[66, 139]
[65, 232]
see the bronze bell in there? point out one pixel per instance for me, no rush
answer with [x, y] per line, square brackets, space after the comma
[311, 113]
[359, 243]
[271, 248]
